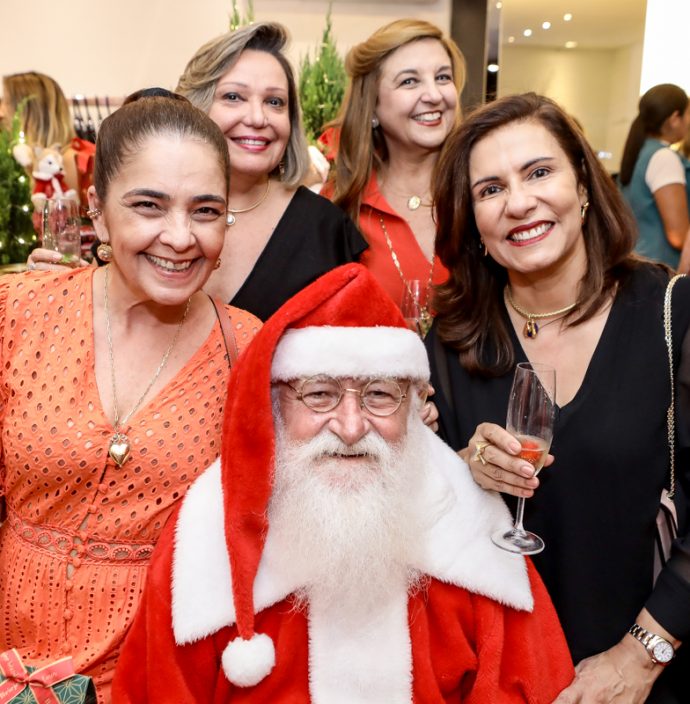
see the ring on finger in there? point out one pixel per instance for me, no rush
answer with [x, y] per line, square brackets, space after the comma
[479, 451]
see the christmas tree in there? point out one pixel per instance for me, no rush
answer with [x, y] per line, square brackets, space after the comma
[17, 236]
[321, 84]
[237, 20]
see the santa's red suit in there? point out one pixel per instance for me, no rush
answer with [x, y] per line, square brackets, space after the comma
[481, 630]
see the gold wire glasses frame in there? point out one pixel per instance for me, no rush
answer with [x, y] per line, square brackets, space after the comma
[381, 397]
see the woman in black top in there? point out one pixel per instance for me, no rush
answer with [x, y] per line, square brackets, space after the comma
[529, 223]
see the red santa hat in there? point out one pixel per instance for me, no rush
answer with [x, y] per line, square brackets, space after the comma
[344, 325]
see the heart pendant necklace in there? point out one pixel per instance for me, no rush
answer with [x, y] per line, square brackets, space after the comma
[119, 448]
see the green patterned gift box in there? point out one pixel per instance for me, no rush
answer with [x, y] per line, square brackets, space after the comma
[56, 683]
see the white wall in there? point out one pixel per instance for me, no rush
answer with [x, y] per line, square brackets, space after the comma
[598, 87]
[113, 47]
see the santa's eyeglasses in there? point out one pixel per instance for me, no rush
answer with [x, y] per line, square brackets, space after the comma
[381, 397]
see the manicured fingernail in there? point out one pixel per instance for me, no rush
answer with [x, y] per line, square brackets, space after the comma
[514, 447]
[527, 471]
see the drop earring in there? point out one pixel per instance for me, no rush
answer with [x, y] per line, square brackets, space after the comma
[374, 122]
[104, 252]
[583, 211]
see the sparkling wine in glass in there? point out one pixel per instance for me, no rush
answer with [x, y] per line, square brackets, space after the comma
[414, 306]
[531, 410]
[61, 229]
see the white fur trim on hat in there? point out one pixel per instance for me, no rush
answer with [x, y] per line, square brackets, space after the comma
[350, 352]
[247, 662]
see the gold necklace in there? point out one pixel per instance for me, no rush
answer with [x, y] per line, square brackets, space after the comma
[531, 329]
[119, 447]
[425, 317]
[230, 218]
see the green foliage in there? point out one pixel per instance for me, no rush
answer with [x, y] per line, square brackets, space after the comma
[17, 236]
[321, 84]
[238, 20]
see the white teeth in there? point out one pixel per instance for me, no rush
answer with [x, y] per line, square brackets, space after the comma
[529, 234]
[252, 142]
[428, 116]
[167, 264]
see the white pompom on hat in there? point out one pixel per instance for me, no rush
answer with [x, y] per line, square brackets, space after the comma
[344, 325]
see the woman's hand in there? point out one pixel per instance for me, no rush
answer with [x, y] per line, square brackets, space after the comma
[623, 674]
[47, 260]
[492, 458]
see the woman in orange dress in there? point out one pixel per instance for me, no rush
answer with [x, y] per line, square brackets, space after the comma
[402, 102]
[112, 386]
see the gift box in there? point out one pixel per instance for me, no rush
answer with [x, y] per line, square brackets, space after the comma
[56, 683]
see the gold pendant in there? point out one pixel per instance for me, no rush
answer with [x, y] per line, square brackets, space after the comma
[413, 202]
[424, 324]
[119, 448]
[531, 329]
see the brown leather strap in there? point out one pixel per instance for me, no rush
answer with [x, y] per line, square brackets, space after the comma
[225, 321]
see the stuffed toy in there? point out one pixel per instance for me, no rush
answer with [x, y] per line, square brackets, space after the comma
[49, 177]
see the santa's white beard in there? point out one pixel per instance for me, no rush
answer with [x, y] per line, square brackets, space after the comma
[346, 530]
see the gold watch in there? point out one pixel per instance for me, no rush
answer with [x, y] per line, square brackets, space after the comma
[659, 649]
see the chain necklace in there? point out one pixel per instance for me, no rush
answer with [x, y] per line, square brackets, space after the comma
[425, 317]
[531, 329]
[230, 218]
[119, 447]
[413, 202]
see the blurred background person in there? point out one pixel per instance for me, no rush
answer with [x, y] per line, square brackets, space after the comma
[402, 101]
[538, 242]
[112, 387]
[47, 122]
[654, 178]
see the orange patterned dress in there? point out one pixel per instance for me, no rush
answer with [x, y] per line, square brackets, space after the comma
[79, 531]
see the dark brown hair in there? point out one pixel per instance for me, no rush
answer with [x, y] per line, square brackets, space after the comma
[470, 309]
[144, 114]
[654, 108]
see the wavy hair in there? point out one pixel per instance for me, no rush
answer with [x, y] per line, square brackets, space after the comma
[215, 58]
[362, 148]
[654, 108]
[470, 304]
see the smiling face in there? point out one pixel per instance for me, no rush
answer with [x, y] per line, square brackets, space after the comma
[250, 105]
[527, 201]
[164, 216]
[417, 99]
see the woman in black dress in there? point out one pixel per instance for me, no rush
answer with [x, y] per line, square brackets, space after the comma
[538, 244]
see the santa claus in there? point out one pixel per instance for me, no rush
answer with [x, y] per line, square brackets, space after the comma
[339, 553]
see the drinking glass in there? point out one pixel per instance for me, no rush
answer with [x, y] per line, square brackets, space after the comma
[414, 306]
[530, 419]
[61, 223]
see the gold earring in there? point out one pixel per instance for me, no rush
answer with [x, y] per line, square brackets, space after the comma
[217, 264]
[583, 211]
[92, 213]
[104, 252]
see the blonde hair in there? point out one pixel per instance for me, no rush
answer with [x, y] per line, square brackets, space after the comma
[215, 58]
[46, 120]
[362, 148]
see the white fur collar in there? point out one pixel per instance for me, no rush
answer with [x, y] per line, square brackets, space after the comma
[458, 551]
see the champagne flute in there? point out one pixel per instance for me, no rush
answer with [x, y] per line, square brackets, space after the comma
[61, 223]
[414, 308]
[530, 419]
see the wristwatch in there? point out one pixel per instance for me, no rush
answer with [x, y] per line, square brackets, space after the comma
[659, 649]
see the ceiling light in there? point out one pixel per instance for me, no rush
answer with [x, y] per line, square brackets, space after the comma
[499, 5]
[492, 68]
[570, 45]
[527, 33]
[511, 40]
[568, 16]
[546, 25]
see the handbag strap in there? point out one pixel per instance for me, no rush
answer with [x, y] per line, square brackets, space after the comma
[671, 413]
[225, 320]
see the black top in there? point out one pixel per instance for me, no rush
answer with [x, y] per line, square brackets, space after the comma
[596, 505]
[312, 237]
